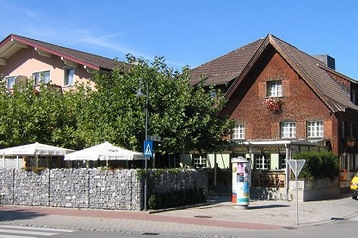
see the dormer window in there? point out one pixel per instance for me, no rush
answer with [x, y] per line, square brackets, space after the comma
[274, 88]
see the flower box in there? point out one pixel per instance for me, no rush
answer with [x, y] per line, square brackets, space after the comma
[274, 104]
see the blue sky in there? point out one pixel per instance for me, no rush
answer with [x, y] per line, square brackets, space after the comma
[187, 32]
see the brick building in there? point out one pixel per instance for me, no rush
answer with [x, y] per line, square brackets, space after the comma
[283, 101]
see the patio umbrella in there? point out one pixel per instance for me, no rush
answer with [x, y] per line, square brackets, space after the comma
[105, 151]
[35, 149]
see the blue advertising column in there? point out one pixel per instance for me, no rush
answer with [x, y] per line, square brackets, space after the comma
[241, 182]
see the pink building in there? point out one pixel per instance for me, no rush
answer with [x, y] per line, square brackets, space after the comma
[22, 58]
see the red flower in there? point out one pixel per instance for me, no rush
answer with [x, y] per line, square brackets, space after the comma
[274, 104]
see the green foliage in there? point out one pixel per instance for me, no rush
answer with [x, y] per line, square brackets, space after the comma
[319, 164]
[176, 198]
[140, 174]
[42, 115]
[182, 115]
[185, 117]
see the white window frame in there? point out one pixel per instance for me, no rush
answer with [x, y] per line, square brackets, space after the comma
[239, 132]
[315, 129]
[262, 162]
[200, 161]
[10, 82]
[68, 80]
[274, 88]
[288, 129]
[41, 76]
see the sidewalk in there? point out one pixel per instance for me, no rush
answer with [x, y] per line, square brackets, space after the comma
[280, 213]
[217, 215]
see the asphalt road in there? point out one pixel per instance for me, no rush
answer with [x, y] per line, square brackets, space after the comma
[329, 218]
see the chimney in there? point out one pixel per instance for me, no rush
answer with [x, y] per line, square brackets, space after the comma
[328, 60]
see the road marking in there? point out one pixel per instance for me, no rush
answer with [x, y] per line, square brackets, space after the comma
[28, 232]
[35, 228]
[7, 230]
[10, 236]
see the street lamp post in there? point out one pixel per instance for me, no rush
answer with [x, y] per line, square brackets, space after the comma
[146, 95]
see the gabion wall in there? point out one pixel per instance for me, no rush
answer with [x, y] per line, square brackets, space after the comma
[89, 188]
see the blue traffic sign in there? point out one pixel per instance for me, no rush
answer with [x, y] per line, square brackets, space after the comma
[148, 148]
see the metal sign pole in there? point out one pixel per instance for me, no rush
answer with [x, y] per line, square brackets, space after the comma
[296, 166]
[296, 175]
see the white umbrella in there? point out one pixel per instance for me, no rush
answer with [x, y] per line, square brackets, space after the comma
[35, 149]
[105, 151]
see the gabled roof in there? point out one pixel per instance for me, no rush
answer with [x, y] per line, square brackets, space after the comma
[233, 67]
[11, 44]
[225, 68]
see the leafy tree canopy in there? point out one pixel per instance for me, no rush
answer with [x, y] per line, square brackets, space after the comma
[41, 114]
[184, 116]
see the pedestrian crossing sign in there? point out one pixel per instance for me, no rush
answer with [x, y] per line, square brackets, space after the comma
[148, 148]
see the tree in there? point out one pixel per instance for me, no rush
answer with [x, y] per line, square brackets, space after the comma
[30, 114]
[185, 117]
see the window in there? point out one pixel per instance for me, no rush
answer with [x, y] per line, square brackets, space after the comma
[43, 76]
[199, 161]
[315, 129]
[282, 161]
[274, 89]
[69, 76]
[262, 162]
[344, 129]
[10, 82]
[239, 132]
[288, 130]
[354, 96]
[174, 161]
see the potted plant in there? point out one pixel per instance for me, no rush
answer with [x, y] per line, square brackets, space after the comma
[274, 104]
[350, 141]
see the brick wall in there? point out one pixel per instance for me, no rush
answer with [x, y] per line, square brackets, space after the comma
[300, 104]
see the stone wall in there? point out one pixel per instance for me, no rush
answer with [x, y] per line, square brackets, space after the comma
[318, 189]
[90, 188]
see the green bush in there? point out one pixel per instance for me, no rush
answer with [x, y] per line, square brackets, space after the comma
[319, 164]
[176, 198]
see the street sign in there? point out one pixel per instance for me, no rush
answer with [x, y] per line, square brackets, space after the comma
[155, 138]
[296, 165]
[148, 148]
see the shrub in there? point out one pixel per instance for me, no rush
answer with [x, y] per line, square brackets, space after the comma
[176, 198]
[319, 164]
